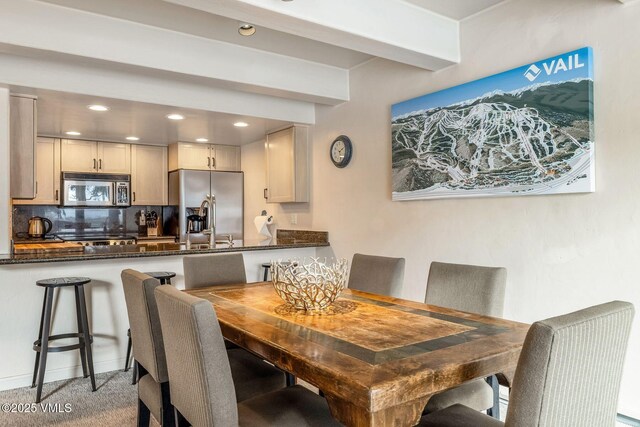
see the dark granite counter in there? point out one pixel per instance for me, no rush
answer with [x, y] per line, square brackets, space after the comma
[155, 250]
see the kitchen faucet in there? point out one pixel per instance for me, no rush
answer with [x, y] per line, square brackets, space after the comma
[209, 203]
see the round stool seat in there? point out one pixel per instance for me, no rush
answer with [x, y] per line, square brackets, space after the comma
[59, 282]
[161, 275]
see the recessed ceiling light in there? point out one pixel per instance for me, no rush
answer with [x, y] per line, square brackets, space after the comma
[133, 138]
[96, 107]
[241, 124]
[73, 133]
[175, 116]
[246, 29]
[202, 140]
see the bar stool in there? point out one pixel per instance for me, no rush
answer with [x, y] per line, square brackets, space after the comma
[41, 345]
[165, 279]
[267, 268]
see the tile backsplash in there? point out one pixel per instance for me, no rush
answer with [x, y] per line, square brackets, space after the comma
[82, 220]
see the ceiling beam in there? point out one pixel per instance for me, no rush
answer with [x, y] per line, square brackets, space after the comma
[391, 29]
[47, 27]
[41, 70]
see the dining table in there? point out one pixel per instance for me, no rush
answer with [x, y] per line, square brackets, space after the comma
[376, 358]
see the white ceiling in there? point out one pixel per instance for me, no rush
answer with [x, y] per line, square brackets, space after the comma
[456, 9]
[59, 112]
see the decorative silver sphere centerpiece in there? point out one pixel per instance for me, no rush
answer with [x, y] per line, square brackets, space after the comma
[311, 286]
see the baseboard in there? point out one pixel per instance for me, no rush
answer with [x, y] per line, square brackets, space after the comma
[65, 373]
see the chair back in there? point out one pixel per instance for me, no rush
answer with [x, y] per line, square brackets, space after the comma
[376, 274]
[570, 369]
[469, 288]
[146, 334]
[215, 269]
[200, 383]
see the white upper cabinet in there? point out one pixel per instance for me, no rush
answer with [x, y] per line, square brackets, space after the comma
[287, 165]
[149, 175]
[95, 157]
[225, 157]
[186, 155]
[47, 173]
[79, 156]
[114, 158]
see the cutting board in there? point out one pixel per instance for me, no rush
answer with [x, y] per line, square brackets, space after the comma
[40, 248]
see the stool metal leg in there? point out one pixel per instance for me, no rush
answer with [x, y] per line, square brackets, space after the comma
[35, 368]
[87, 339]
[83, 353]
[495, 409]
[44, 342]
[134, 380]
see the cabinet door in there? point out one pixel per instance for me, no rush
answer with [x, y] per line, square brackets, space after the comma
[114, 158]
[22, 148]
[280, 166]
[149, 175]
[47, 173]
[225, 157]
[79, 156]
[194, 156]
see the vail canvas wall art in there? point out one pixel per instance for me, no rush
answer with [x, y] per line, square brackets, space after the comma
[524, 131]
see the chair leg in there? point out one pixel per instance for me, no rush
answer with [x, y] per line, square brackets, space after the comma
[134, 380]
[128, 358]
[495, 409]
[290, 379]
[168, 414]
[144, 414]
[83, 352]
[181, 421]
[35, 368]
[44, 343]
[87, 337]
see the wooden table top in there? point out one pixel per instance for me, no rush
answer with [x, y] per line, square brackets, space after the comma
[377, 359]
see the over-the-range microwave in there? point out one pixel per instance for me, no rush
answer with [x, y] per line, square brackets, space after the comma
[95, 190]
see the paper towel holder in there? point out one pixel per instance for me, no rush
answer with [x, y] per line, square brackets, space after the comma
[264, 213]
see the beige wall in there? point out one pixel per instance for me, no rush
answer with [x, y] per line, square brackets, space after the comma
[562, 252]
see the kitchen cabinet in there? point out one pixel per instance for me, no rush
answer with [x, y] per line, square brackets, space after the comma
[149, 175]
[47, 184]
[22, 146]
[287, 165]
[95, 157]
[186, 155]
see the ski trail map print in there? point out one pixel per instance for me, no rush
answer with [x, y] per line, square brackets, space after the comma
[525, 131]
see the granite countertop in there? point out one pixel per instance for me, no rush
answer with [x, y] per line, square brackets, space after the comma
[154, 250]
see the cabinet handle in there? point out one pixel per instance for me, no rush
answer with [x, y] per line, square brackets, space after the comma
[265, 193]
[36, 188]
[208, 162]
[214, 162]
[57, 195]
[95, 164]
[100, 164]
[134, 196]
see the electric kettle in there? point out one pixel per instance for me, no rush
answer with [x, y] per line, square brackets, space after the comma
[39, 227]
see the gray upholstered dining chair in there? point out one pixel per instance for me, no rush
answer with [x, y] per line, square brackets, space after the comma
[568, 374]
[148, 348]
[477, 290]
[376, 274]
[225, 269]
[202, 389]
[213, 269]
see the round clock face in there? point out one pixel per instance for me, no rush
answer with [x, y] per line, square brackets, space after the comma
[340, 151]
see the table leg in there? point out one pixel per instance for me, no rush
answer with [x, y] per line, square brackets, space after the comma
[350, 414]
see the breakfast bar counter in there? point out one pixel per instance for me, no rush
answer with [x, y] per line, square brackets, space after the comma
[155, 250]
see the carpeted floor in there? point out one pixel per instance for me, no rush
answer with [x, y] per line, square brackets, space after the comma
[114, 403]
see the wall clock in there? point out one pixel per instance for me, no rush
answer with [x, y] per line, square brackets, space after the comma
[340, 151]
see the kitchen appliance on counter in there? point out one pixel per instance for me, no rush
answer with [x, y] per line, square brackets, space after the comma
[98, 239]
[39, 227]
[188, 189]
[94, 190]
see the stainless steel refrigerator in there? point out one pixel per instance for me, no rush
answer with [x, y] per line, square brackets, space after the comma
[187, 190]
